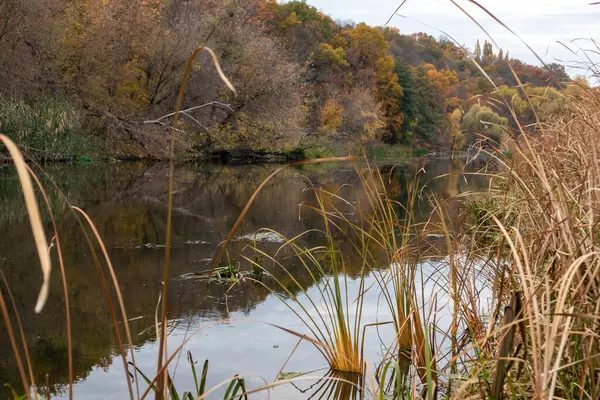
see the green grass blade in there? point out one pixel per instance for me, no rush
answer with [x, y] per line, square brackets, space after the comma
[203, 380]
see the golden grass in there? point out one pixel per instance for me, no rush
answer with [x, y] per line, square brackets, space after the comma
[542, 214]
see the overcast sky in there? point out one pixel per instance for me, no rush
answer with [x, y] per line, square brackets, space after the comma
[541, 23]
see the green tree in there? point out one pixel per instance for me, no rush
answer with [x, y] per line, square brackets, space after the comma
[482, 123]
[424, 118]
[409, 106]
[488, 54]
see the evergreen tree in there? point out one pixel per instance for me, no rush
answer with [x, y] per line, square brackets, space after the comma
[488, 53]
[424, 120]
[409, 104]
[477, 53]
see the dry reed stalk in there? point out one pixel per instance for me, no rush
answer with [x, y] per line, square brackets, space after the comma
[162, 384]
[35, 220]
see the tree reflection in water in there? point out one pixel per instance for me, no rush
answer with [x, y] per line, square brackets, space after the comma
[127, 202]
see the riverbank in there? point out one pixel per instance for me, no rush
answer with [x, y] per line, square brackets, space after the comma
[48, 139]
[55, 129]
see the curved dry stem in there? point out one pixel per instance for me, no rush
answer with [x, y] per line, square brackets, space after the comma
[35, 220]
[166, 274]
[64, 281]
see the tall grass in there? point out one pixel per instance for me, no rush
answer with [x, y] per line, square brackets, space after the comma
[546, 219]
[48, 128]
[380, 232]
[522, 310]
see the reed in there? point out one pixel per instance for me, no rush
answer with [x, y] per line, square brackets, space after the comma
[546, 217]
[382, 241]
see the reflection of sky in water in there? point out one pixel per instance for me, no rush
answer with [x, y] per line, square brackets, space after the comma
[246, 346]
[250, 346]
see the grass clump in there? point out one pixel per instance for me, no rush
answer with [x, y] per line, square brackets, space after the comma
[420, 152]
[48, 128]
[235, 390]
[373, 239]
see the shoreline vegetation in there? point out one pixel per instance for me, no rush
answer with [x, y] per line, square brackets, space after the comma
[511, 307]
[306, 84]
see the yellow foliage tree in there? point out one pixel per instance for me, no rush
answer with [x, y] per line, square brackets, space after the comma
[330, 56]
[368, 50]
[106, 46]
[389, 93]
[291, 20]
[332, 116]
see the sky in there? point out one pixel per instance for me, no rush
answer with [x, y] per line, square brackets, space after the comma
[542, 24]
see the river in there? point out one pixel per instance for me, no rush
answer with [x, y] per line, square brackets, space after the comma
[128, 204]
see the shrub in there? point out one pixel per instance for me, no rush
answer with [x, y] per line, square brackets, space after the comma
[331, 116]
[481, 122]
[363, 119]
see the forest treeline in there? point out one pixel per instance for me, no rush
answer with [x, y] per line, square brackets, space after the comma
[89, 74]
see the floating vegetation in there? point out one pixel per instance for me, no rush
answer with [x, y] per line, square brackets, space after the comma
[151, 246]
[228, 273]
[191, 242]
[261, 236]
[289, 375]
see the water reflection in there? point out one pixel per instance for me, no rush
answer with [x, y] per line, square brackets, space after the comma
[333, 385]
[127, 202]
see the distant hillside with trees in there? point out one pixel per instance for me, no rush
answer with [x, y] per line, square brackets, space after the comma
[85, 73]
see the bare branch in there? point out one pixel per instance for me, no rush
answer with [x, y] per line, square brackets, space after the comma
[187, 110]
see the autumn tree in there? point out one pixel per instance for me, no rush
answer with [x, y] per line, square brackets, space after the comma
[106, 47]
[267, 113]
[443, 81]
[332, 116]
[297, 72]
[28, 38]
[374, 67]
[328, 62]
[301, 27]
[457, 137]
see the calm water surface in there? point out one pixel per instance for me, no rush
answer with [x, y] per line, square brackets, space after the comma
[127, 202]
